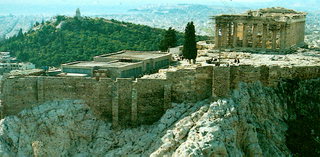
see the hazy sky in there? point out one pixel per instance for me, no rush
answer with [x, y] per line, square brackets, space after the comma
[89, 7]
[116, 2]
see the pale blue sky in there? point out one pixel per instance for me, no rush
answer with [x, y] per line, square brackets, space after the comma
[116, 2]
[88, 7]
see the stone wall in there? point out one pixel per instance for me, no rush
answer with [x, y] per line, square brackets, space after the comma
[191, 84]
[124, 102]
[150, 100]
[127, 102]
[24, 92]
[226, 79]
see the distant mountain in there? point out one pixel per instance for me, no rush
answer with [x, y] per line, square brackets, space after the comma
[11, 24]
[176, 16]
[67, 39]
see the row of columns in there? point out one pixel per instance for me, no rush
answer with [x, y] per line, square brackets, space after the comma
[280, 35]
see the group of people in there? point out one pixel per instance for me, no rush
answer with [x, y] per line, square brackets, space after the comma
[237, 60]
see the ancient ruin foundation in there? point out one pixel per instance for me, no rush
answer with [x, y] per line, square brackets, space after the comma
[276, 29]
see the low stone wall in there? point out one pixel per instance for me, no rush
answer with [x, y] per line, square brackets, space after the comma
[127, 102]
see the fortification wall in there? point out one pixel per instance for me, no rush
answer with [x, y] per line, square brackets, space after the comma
[227, 78]
[18, 95]
[150, 100]
[303, 73]
[124, 102]
[21, 93]
[127, 102]
[191, 84]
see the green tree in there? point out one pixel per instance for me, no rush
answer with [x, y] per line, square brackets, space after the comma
[169, 40]
[60, 18]
[37, 24]
[23, 56]
[20, 33]
[190, 47]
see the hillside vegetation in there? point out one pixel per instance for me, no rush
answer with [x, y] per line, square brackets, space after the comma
[67, 39]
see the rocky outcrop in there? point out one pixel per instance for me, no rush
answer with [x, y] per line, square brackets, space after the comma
[252, 122]
[52, 129]
[303, 101]
[69, 128]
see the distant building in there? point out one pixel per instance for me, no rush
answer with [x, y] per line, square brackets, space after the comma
[5, 57]
[78, 14]
[8, 63]
[176, 50]
[276, 29]
[123, 64]
[202, 45]
[7, 67]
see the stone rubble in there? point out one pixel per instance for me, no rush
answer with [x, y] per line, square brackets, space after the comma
[250, 123]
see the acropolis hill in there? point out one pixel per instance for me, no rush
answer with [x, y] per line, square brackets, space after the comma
[127, 101]
[131, 102]
[248, 94]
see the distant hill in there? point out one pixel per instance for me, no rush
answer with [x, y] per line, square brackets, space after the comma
[176, 16]
[67, 39]
[10, 24]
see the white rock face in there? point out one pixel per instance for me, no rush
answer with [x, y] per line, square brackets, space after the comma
[250, 123]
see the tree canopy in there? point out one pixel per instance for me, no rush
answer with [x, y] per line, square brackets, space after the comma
[190, 46]
[169, 40]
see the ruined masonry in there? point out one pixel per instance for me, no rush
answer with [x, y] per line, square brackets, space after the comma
[276, 29]
[130, 102]
[126, 102]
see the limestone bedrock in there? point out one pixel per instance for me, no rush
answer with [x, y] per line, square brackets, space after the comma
[249, 123]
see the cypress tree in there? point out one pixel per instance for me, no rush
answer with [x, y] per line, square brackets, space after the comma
[169, 40]
[20, 33]
[190, 47]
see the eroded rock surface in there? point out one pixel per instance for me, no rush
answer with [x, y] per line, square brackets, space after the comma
[250, 123]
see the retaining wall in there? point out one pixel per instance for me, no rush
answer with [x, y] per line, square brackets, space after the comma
[127, 102]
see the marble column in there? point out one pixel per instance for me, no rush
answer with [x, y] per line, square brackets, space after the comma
[224, 35]
[303, 30]
[299, 30]
[235, 32]
[289, 35]
[230, 38]
[298, 33]
[295, 35]
[282, 37]
[264, 35]
[254, 35]
[274, 37]
[217, 36]
[245, 33]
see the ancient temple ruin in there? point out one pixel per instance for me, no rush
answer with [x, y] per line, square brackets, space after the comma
[275, 29]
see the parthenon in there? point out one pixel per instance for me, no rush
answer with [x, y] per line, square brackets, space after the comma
[276, 29]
